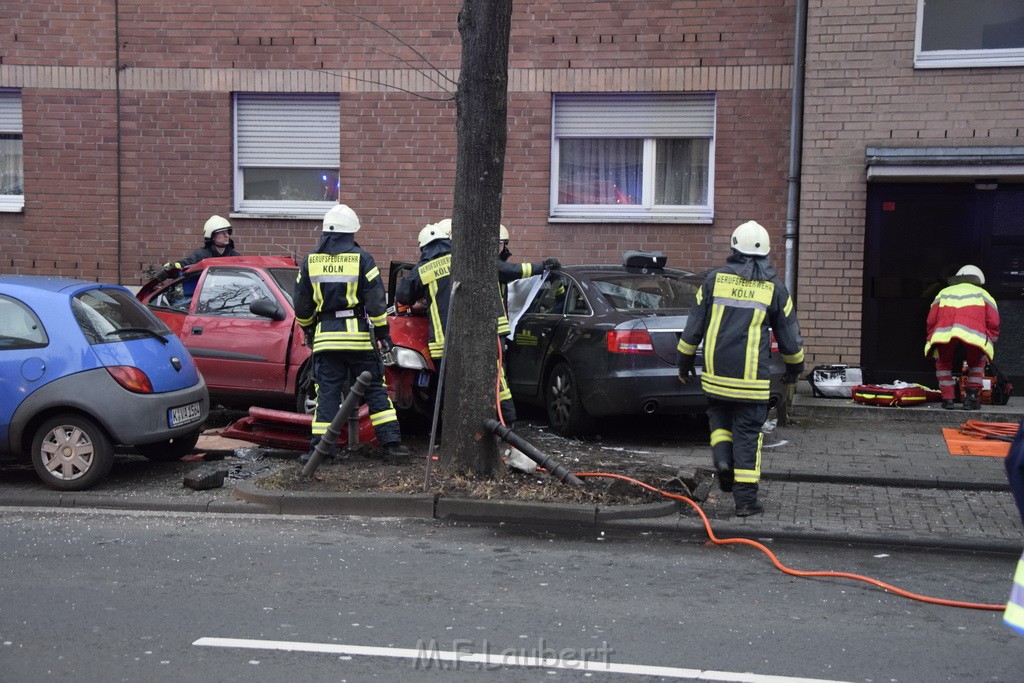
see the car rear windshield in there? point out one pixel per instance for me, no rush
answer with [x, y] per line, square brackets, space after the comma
[112, 315]
[656, 292]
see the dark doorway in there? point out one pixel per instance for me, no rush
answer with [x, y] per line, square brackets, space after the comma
[919, 234]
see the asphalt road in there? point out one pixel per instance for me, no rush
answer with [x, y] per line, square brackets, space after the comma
[107, 595]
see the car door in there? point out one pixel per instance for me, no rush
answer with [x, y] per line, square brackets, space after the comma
[534, 332]
[235, 349]
[22, 364]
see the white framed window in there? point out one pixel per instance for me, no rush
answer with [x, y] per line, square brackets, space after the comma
[635, 157]
[287, 154]
[12, 153]
[969, 33]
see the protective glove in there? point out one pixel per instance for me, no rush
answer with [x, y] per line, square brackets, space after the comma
[307, 335]
[552, 264]
[385, 343]
[793, 371]
[686, 373]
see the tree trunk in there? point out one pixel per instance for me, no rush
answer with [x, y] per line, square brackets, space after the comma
[471, 341]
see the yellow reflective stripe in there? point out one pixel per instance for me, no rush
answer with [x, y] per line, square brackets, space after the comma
[751, 476]
[753, 345]
[787, 310]
[383, 417]
[372, 274]
[320, 428]
[432, 271]
[700, 295]
[797, 357]
[731, 387]
[721, 436]
[379, 320]
[747, 476]
[711, 337]
[688, 349]
[527, 269]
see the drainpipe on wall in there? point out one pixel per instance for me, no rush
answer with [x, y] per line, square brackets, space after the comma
[796, 123]
[117, 115]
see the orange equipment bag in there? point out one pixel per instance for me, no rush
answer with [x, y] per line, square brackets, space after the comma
[900, 394]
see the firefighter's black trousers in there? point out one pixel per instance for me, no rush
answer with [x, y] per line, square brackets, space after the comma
[736, 441]
[333, 370]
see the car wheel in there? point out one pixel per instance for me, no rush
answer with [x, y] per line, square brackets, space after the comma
[71, 452]
[171, 449]
[305, 390]
[566, 413]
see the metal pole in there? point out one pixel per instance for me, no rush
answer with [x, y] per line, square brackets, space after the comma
[549, 463]
[437, 399]
[330, 437]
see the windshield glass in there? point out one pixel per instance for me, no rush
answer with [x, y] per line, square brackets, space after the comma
[647, 291]
[285, 279]
[102, 312]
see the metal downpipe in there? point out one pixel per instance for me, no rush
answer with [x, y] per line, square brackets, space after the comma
[796, 124]
[549, 463]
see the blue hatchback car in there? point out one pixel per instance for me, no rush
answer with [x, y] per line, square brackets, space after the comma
[85, 367]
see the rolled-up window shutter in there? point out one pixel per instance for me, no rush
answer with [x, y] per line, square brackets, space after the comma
[673, 115]
[288, 131]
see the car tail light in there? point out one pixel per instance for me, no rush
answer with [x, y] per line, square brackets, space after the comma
[630, 341]
[131, 378]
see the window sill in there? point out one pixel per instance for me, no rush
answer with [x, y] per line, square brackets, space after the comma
[279, 215]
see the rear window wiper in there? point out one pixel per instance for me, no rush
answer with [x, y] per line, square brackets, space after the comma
[141, 330]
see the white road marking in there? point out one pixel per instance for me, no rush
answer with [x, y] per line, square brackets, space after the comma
[457, 658]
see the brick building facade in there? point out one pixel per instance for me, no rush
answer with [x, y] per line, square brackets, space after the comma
[903, 157]
[128, 129]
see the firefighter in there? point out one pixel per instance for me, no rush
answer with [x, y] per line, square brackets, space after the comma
[340, 302]
[962, 314]
[431, 280]
[216, 242]
[735, 307]
[507, 272]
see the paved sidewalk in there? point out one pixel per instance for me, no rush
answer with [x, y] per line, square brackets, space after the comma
[840, 472]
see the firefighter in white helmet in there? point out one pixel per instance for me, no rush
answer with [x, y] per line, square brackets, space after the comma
[962, 314]
[217, 242]
[341, 303]
[735, 307]
[507, 272]
[431, 281]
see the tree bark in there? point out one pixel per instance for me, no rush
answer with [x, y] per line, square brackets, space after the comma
[471, 341]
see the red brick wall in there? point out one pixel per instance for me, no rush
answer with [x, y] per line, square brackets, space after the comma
[862, 91]
[181, 63]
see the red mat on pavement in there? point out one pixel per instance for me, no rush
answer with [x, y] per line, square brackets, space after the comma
[963, 444]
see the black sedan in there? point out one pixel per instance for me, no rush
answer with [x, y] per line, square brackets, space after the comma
[600, 340]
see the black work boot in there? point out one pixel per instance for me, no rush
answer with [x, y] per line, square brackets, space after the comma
[747, 503]
[749, 509]
[395, 453]
[971, 402]
[726, 480]
[948, 404]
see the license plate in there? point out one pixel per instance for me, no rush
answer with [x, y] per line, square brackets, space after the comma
[182, 415]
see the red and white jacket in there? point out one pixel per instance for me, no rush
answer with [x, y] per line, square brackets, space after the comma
[965, 312]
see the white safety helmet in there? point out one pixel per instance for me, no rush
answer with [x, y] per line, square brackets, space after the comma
[972, 271]
[215, 224]
[435, 231]
[502, 233]
[341, 218]
[751, 239]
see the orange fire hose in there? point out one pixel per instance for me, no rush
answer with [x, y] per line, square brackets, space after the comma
[1002, 431]
[787, 570]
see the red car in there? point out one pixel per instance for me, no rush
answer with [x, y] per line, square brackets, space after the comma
[235, 316]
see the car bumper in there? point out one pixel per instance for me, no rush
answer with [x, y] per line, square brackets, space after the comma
[128, 418]
[645, 391]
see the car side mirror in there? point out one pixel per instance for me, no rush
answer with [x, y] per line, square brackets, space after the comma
[267, 308]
